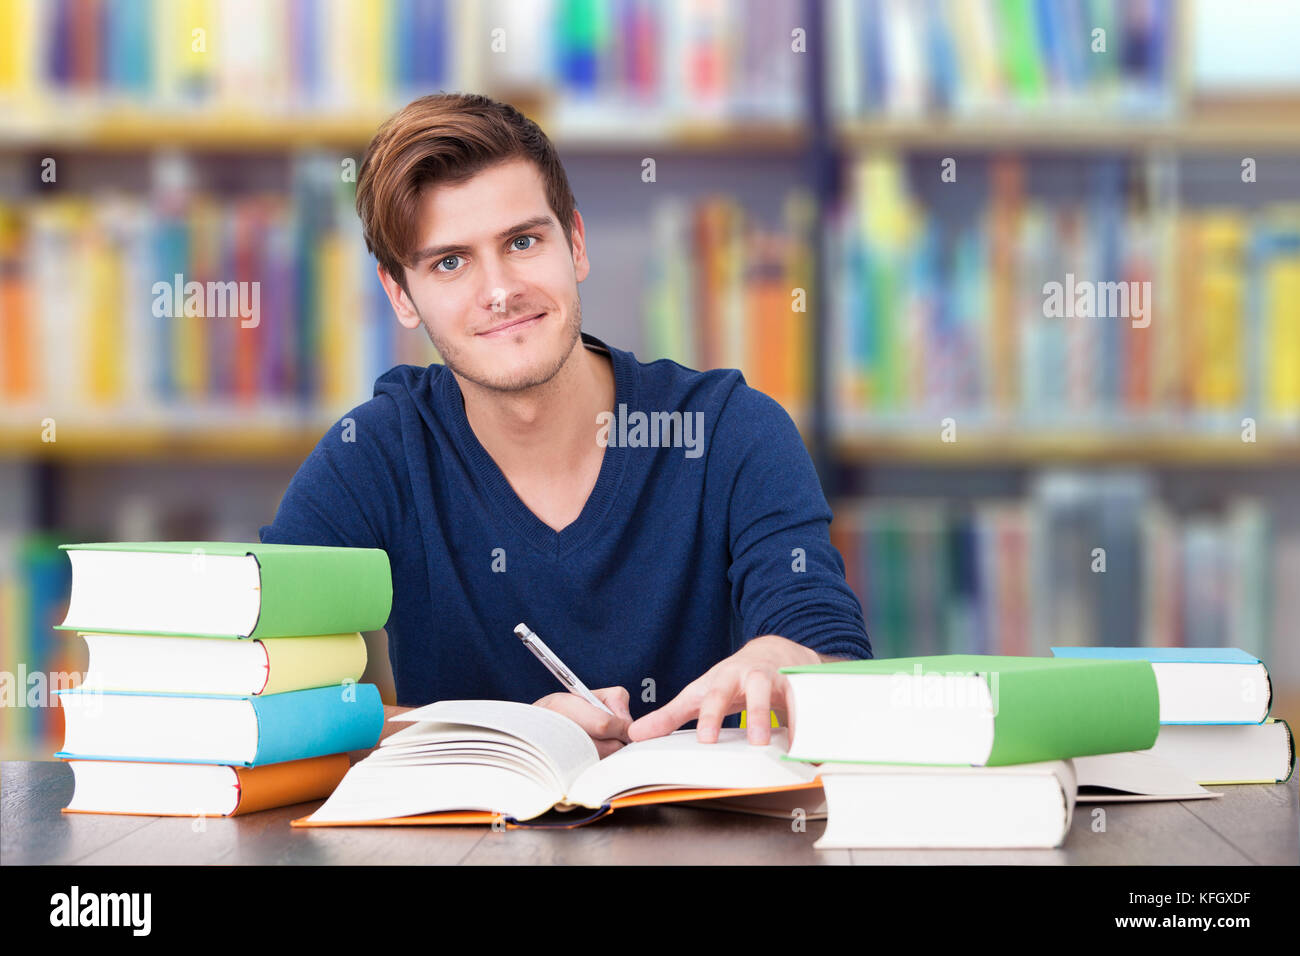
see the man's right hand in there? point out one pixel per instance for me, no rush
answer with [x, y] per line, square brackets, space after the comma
[606, 732]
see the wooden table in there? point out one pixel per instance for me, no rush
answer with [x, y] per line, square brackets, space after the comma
[1249, 824]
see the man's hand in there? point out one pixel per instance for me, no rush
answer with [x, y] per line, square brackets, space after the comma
[749, 679]
[606, 732]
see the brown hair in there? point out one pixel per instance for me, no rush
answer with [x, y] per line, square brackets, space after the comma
[445, 138]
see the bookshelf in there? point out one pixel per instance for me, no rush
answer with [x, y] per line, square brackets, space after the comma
[793, 121]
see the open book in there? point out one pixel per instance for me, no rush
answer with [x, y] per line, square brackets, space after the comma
[472, 761]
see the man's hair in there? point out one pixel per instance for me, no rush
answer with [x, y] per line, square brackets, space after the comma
[445, 138]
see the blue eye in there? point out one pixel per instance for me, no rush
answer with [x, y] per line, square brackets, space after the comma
[536, 239]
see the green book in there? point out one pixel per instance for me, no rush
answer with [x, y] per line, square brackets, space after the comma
[1022, 65]
[225, 589]
[970, 709]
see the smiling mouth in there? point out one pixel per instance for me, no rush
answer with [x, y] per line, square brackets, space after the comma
[516, 324]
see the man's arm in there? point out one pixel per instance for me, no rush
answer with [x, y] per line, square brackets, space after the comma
[787, 579]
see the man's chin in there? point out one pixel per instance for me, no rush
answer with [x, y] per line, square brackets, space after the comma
[521, 377]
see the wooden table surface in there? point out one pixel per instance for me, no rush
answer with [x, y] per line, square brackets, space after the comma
[1257, 824]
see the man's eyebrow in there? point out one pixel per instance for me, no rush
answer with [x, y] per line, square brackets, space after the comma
[439, 252]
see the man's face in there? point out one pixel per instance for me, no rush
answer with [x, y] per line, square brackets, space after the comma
[492, 256]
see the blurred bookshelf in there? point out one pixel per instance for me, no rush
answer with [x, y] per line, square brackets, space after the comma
[921, 298]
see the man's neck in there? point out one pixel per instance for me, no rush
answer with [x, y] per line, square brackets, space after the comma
[549, 429]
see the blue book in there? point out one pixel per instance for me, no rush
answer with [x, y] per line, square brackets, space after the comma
[1197, 685]
[242, 731]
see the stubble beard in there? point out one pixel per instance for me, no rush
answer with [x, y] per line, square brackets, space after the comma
[454, 359]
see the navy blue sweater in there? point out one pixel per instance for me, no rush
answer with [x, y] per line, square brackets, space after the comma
[680, 555]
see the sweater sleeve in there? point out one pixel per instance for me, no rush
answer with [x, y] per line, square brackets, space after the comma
[786, 576]
[343, 492]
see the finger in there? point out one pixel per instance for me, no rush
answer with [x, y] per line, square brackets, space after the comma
[758, 706]
[670, 716]
[712, 710]
[593, 720]
[616, 699]
[606, 747]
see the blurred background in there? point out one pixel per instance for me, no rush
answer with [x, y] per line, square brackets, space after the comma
[860, 203]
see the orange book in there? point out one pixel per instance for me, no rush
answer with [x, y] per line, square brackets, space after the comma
[1137, 361]
[210, 790]
[1005, 218]
[771, 339]
[16, 355]
[250, 253]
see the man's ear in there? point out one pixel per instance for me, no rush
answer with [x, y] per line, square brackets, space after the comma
[401, 302]
[581, 267]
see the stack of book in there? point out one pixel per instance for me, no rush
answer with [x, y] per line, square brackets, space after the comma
[962, 750]
[222, 677]
[1214, 712]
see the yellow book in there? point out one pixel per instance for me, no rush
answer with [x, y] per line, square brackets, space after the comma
[197, 49]
[1280, 316]
[12, 41]
[1221, 331]
[103, 267]
[191, 353]
[217, 665]
[333, 282]
[371, 24]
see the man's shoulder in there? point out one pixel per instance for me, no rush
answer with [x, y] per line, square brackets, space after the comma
[667, 379]
[378, 420]
[734, 415]
[411, 379]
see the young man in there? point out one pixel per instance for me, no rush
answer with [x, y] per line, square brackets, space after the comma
[661, 529]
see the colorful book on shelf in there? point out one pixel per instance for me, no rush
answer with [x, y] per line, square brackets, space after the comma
[970, 709]
[225, 589]
[476, 761]
[1198, 685]
[1279, 278]
[209, 790]
[246, 731]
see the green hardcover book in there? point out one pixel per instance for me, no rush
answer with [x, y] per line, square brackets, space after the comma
[970, 709]
[224, 589]
[1020, 48]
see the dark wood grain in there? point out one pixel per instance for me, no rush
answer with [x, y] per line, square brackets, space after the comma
[1248, 824]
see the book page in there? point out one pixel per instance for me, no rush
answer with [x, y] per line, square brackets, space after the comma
[680, 760]
[563, 744]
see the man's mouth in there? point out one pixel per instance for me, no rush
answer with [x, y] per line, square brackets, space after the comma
[515, 324]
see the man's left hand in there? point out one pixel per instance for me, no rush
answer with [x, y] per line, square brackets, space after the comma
[748, 680]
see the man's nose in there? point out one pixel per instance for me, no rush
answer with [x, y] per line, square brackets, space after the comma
[499, 286]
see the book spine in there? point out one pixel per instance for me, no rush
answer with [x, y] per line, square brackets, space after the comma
[309, 723]
[284, 784]
[329, 592]
[1042, 715]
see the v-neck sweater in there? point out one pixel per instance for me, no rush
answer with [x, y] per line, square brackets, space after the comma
[691, 542]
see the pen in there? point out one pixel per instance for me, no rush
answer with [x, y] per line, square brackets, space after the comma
[558, 668]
